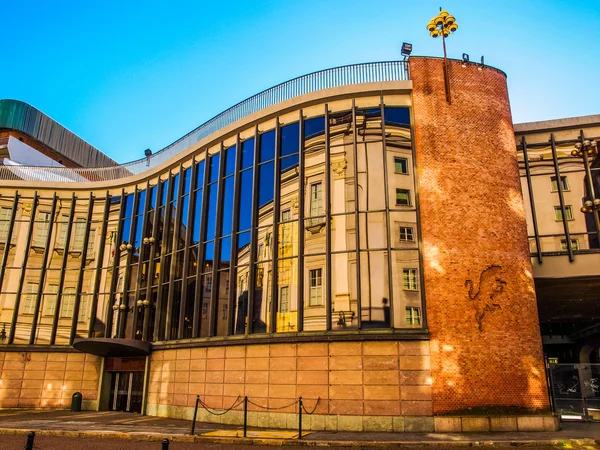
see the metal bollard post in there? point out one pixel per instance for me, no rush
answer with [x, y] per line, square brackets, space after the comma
[245, 415]
[195, 414]
[30, 438]
[165, 444]
[300, 418]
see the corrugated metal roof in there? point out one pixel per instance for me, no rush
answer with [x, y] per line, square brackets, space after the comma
[20, 116]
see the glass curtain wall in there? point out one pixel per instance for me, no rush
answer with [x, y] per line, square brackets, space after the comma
[305, 223]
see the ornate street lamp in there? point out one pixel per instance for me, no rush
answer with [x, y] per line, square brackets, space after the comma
[443, 25]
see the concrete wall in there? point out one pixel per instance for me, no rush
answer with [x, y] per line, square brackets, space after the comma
[352, 380]
[48, 379]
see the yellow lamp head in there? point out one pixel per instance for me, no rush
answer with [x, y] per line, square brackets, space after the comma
[431, 26]
[453, 27]
[450, 20]
[443, 13]
[438, 20]
[446, 32]
[435, 33]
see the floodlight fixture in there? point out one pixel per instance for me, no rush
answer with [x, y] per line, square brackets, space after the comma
[406, 49]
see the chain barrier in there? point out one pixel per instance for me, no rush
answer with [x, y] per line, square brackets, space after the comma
[245, 400]
[223, 412]
[314, 409]
[272, 409]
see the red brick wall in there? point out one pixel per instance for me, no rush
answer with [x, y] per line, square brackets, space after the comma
[486, 346]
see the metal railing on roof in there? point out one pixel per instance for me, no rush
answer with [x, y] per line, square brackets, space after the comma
[316, 81]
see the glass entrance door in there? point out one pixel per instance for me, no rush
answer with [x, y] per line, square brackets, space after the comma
[126, 391]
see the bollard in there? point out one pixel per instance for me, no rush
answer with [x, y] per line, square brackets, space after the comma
[195, 414]
[300, 418]
[165, 444]
[245, 415]
[30, 438]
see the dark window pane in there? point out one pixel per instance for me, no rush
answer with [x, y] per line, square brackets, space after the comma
[288, 162]
[225, 252]
[200, 175]
[128, 205]
[142, 202]
[209, 254]
[212, 212]
[184, 220]
[245, 205]
[197, 216]
[153, 194]
[314, 126]
[230, 161]
[165, 190]
[187, 179]
[247, 153]
[265, 190]
[397, 116]
[175, 187]
[226, 225]
[267, 146]
[214, 167]
[243, 241]
[290, 139]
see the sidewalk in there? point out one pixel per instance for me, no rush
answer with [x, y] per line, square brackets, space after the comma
[136, 427]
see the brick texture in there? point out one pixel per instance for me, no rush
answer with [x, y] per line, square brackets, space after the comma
[486, 345]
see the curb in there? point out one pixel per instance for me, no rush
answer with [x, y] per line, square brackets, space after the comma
[152, 437]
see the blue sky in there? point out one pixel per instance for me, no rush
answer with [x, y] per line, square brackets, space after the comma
[128, 75]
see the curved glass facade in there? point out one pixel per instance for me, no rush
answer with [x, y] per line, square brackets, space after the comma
[304, 222]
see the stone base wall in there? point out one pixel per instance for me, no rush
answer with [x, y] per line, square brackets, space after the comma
[386, 379]
[48, 379]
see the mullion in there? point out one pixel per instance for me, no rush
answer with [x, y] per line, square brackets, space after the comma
[11, 226]
[122, 314]
[276, 220]
[141, 260]
[100, 257]
[11, 334]
[186, 252]
[301, 171]
[61, 279]
[253, 237]
[214, 293]
[356, 215]
[233, 256]
[561, 198]
[161, 277]
[86, 240]
[387, 215]
[200, 258]
[328, 289]
[151, 258]
[531, 201]
[115, 265]
[38, 296]
[173, 267]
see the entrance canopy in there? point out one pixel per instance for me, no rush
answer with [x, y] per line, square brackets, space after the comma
[110, 347]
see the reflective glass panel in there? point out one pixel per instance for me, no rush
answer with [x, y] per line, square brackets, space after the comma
[290, 139]
[267, 146]
[247, 153]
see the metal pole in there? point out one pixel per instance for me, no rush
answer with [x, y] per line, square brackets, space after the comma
[446, 79]
[245, 415]
[30, 438]
[195, 415]
[300, 418]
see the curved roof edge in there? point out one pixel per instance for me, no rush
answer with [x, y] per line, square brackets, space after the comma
[20, 116]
